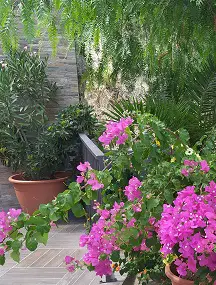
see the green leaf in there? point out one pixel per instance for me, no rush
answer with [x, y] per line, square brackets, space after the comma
[168, 194]
[78, 210]
[45, 209]
[54, 215]
[152, 203]
[150, 242]
[104, 177]
[31, 243]
[103, 256]
[184, 136]
[86, 200]
[15, 255]
[115, 256]
[16, 245]
[41, 238]
[43, 229]
[92, 195]
[75, 192]
[36, 221]
[2, 259]
[90, 268]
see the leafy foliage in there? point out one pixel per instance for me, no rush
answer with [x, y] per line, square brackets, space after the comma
[27, 143]
[24, 92]
[58, 146]
[154, 162]
[170, 44]
[131, 35]
[193, 109]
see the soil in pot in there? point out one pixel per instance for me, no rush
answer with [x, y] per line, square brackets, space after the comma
[171, 273]
[31, 194]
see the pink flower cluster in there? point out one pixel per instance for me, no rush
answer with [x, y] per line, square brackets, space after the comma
[100, 242]
[116, 130]
[132, 190]
[105, 237]
[191, 225]
[96, 185]
[83, 168]
[71, 263]
[191, 165]
[5, 222]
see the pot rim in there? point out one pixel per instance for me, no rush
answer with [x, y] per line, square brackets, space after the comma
[15, 179]
[175, 278]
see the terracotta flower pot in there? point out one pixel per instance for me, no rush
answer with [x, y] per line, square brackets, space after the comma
[175, 279]
[31, 194]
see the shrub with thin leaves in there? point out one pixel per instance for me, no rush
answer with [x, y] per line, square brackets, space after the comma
[24, 92]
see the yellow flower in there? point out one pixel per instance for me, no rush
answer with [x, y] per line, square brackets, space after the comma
[157, 142]
[198, 156]
[173, 159]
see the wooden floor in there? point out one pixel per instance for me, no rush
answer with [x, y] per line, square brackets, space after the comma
[46, 264]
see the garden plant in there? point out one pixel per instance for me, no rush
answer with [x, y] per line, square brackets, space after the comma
[168, 44]
[158, 183]
[29, 143]
[150, 181]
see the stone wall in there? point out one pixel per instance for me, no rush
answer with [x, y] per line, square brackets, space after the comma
[63, 70]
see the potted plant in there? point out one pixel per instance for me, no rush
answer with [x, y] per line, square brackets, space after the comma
[187, 232]
[35, 150]
[57, 148]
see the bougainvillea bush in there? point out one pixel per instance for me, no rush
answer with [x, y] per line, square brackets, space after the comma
[187, 229]
[143, 171]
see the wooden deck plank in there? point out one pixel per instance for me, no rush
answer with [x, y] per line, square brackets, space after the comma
[45, 258]
[32, 257]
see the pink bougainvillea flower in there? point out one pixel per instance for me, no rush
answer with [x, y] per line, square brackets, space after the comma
[94, 182]
[211, 188]
[68, 259]
[103, 267]
[80, 179]
[144, 246]
[116, 130]
[2, 251]
[52, 224]
[185, 172]
[131, 223]
[83, 240]
[204, 166]
[13, 213]
[137, 208]
[136, 248]
[83, 167]
[2, 236]
[104, 213]
[152, 220]
[191, 163]
[181, 267]
[122, 138]
[71, 268]
[132, 190]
